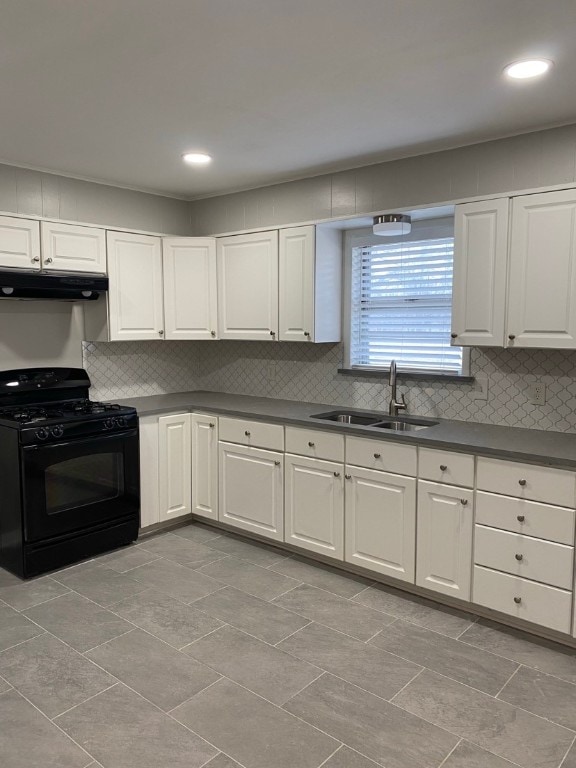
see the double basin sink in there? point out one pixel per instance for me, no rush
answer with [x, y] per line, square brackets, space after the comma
[393, 423]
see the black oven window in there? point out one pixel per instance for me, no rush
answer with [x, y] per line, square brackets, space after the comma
[83, 480]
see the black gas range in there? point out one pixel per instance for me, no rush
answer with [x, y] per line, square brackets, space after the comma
[69, 470]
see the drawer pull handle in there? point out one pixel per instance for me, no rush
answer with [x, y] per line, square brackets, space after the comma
[276, 463]
[517, 600]
[521, 518]
[377, 455]
[519, 557]
[443, 467]
[247, 433]
[310, 445]
[522, 483]
[463, 502]
[348, 477]
[336, 474]
[211, 425]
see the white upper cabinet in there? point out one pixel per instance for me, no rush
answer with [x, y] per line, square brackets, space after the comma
[135, 292]
[248, 286]
[542, 295]
[310, 270]
[19, 243]
[71, 248]
[480, 266]
[190, 289]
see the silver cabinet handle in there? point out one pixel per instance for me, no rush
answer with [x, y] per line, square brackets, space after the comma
[213, 334]
[453, 335]
[520, 518]
[443, 467]
[519, 557]
[35, 259]
[247, 433]
[463, 502]
[307, 334]
[272, 333]
[522, 483]
[211, 425]
[310, 444]
[348, 477]
[161, 333]
[511, 336]
[517, 600]
[336, 474]
[48, 260]
[377, 455]
[277, 463]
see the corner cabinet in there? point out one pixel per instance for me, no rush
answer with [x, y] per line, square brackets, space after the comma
[480, 259]
[310, 287]
[204, 432]
[190, 288]
[248, 286]
[174, 442]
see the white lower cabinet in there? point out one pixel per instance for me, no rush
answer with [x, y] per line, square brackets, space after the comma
[251, 489]
[444, 545]
[381, 522]
[204, 432]
[314, 505]
[174, 466]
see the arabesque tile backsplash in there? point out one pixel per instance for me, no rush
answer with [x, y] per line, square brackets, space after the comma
[309, 372]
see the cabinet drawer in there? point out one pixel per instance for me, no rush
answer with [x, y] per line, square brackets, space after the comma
[524, 556]
[256, 434]
[527, 481]
[531, 518]
[538, 603]
[314, 443]
[375, 454]
[446, 467]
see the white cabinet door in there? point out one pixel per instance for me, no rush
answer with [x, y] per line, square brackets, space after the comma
[190, 291]
[380, 531]
[19, 243]
[314, 505]
[444, 547]
[174, 465]
[542, 292]
[204, 465]
[248, 286]
[149, 471]
[71, 248]
[296, 284]
[135, 292]
[251, 490]
[480, 267]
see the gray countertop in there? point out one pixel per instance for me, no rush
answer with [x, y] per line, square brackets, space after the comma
[532, 445]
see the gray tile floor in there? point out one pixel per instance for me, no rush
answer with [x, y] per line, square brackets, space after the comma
[196, 648]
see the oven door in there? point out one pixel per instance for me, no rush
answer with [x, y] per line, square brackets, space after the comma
[71, 486]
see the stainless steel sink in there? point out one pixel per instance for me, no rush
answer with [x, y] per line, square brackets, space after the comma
[399, 425]
[342, 417]
[377, 420]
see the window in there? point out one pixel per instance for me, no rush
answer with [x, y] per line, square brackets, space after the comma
[400, 300]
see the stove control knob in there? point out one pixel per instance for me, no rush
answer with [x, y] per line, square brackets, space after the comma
[42, 433]
[109, 424]
[121, 421]
[57, 431]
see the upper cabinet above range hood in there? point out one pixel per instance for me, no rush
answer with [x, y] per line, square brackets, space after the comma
[35, 285]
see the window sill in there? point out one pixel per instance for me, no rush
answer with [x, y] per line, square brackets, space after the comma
[381, 373]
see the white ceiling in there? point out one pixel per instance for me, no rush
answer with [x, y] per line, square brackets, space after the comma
[116, 90]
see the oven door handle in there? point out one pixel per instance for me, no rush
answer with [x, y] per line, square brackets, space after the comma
[83, 441]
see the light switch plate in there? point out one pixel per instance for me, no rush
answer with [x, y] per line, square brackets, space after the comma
[480, 389]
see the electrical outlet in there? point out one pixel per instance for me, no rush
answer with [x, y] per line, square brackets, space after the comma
[480, 391]
[537, 394]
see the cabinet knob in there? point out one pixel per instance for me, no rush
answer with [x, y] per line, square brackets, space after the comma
[36, 259]
[307, 334]
[48, 260]
[213, 334]
[519, 557]
[348, 477]
[463, 502]
[511, 336]
[310, 445]
[377, 455]
[272, 333]
[521, 518]
[247, 433]
[443, 467]
[336, 474]
[161, 333]
[276, 463]
[517, 600]
[211, 425]
[522, 483]
[453, 335]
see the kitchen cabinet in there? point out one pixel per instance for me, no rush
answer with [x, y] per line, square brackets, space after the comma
[72, 248]
[19, 243]
[309, 281]
[480, 267]
[251, 487]
[314, 505]
[204, 434]
[542, 293]
[444, 542]
[190, 288]
[149, 471]
[133, 307]
[380, 526]
[174, 484]
[248, 286]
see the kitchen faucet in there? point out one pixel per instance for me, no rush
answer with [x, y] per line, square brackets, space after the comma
[395, 405]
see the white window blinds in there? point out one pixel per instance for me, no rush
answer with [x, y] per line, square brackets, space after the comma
[401, 306]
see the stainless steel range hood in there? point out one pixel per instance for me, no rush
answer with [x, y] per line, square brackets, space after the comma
[60, 287]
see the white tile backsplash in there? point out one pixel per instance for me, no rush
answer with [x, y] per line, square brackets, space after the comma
[309, 372]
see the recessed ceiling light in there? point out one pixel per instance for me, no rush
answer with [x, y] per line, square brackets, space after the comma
[196, 158]
[522, 70]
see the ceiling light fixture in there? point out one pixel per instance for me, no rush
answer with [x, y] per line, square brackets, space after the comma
[196, 158]
[523, 70]
[392, 224]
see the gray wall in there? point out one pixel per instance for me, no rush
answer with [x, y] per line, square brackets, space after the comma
[44, 194]
[539, 159]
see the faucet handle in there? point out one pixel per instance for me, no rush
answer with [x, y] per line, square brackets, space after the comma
[402, 404]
